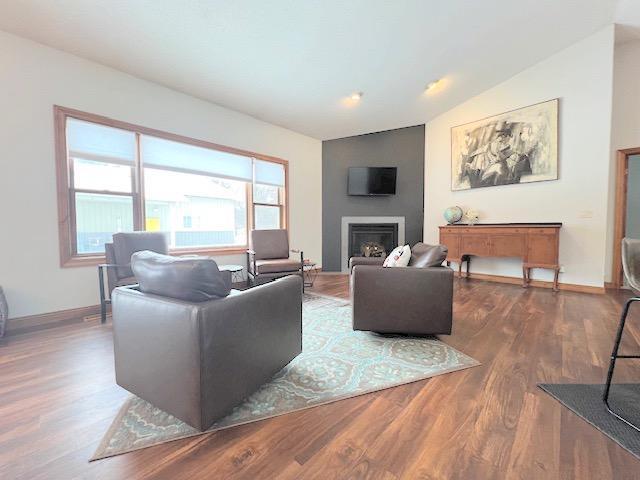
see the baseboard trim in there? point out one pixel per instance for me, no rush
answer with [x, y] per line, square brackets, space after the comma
[30, 323]
[569, 287]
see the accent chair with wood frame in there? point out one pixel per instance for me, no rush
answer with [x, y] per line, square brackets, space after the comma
[118, 258]
[268, 256]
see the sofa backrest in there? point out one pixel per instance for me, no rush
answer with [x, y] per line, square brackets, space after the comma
[192, 279]
[423, 255]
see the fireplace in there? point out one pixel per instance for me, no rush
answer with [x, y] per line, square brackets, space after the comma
[372, 239]
[384, 232]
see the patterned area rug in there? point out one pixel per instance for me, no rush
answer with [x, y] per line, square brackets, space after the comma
[335, 363]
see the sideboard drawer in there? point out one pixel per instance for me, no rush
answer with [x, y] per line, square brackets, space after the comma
[475, 244]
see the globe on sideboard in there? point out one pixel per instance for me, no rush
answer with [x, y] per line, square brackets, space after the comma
[453, 214]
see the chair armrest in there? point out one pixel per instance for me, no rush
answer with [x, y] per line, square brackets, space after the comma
[111, 265]
[406, 295]
[374, 261]
[156, 338]
[249, 335]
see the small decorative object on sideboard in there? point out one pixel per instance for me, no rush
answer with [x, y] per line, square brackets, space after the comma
[471, 217]
[453, 215]
[4, 312]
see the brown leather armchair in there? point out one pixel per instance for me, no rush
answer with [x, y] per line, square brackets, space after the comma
[412, 300]
[268, 256]
[197, 360]
[118, 261]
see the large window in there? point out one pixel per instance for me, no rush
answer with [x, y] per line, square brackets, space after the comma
[116, 177]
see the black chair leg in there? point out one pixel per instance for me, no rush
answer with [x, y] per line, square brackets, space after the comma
[103, 300]
[612, 363]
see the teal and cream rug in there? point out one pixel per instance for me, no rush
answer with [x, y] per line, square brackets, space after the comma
[335, 363]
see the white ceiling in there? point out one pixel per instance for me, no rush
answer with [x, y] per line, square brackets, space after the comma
[293, 62]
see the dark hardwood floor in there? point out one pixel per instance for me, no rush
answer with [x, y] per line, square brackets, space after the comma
[58, 396]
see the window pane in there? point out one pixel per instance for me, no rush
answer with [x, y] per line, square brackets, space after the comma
[267, 217]
[265, 194]
[197, 210]
[101, 176]
[100, 216]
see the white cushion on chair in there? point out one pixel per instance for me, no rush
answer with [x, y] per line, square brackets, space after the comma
[399, 257]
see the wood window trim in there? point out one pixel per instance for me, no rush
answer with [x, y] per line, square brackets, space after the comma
[620, 212]
[66, 236]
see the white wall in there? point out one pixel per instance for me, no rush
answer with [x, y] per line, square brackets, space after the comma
[625, 125]
[581, 76]
[32, 79]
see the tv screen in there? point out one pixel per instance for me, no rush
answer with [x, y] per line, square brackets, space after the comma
[372, 181]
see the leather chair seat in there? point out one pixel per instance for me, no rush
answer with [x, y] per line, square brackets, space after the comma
[123, 282]
[277, 265]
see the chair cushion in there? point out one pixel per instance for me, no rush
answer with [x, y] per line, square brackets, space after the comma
[423, 255]
[126, 244]
[123, 282]
[269, 244]
[193, 279]
[277, 265]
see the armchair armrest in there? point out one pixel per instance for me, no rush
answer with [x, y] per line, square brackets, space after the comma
[374, 261]
[250, 335]
[301, 257]
[402, 299]
[111, 265]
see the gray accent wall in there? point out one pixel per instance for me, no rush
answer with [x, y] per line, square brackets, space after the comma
[402, 148]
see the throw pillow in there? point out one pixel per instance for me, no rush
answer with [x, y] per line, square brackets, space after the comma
[390, 261]
[399, 257]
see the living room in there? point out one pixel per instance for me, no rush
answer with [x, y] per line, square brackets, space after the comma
[303, 240]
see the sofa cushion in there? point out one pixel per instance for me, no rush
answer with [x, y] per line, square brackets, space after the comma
[126, 244]
[423, 255]
[193, 279]
[277, 265]
[269, 244]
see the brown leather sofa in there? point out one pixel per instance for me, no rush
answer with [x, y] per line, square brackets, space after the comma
[195, 349]
[412, 300]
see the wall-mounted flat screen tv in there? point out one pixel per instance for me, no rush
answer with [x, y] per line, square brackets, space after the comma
[372, 181]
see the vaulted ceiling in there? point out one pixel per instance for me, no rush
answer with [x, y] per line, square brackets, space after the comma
[294, 63]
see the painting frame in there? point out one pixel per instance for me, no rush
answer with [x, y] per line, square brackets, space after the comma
[514, 147]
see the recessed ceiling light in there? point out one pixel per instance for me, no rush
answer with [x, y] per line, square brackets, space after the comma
[356, 96]
[432, 85]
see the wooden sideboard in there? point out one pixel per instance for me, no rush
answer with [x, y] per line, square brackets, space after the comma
[537, 244]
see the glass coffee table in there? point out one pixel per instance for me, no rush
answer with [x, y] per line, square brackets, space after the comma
[310, 270]
[236, 272]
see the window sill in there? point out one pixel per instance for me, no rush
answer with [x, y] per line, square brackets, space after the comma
[93, 260]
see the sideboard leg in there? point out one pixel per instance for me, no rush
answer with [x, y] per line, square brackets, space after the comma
[460, 268]
[525, 276]
[468, 257]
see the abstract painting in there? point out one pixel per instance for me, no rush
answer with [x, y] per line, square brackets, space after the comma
[520, 146]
